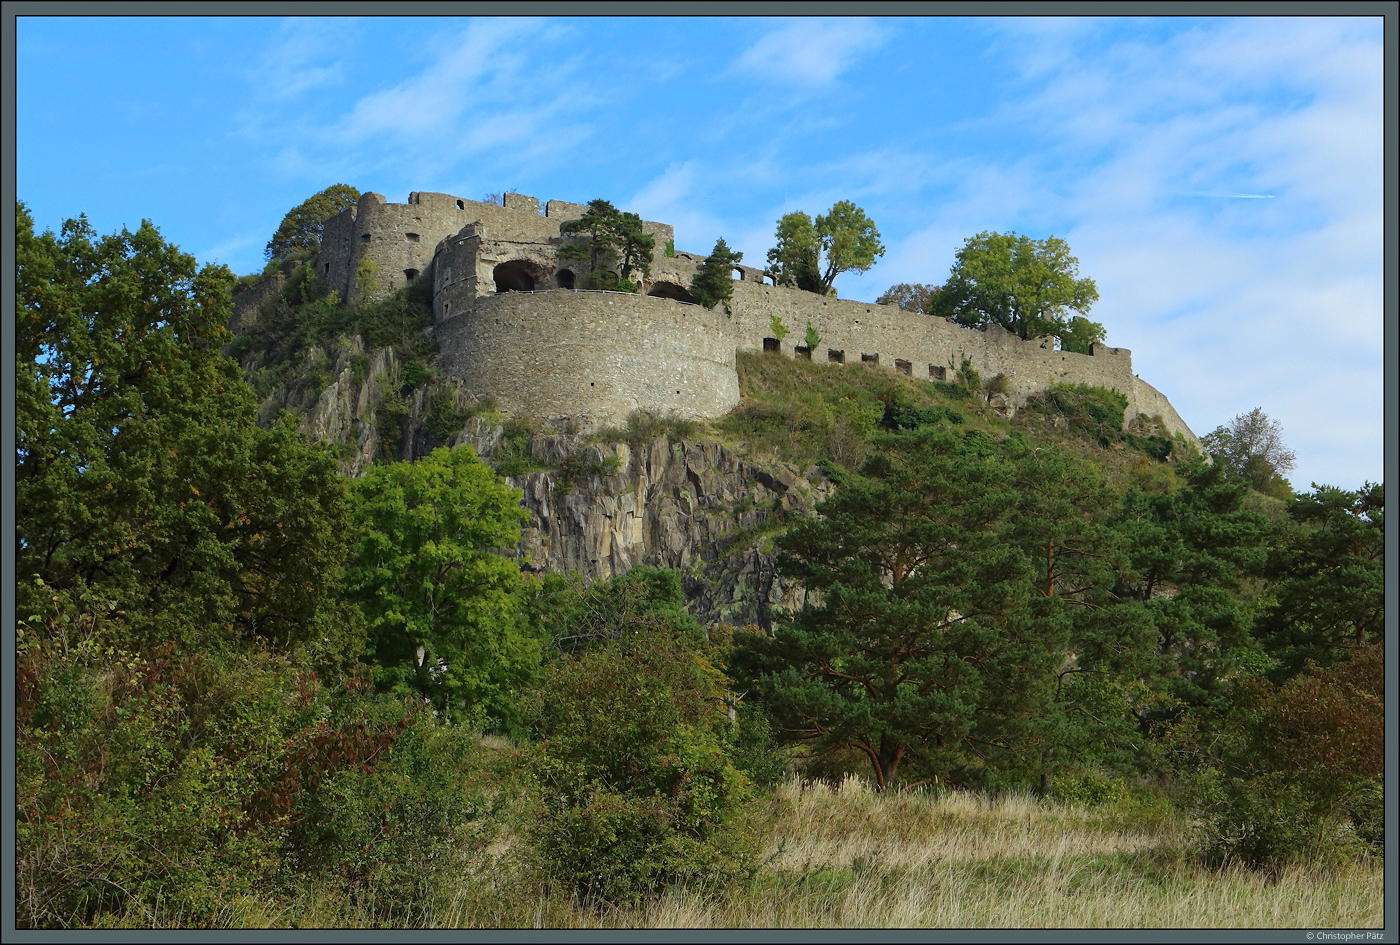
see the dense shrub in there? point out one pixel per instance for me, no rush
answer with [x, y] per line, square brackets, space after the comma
[1307, 784]
[636, 785]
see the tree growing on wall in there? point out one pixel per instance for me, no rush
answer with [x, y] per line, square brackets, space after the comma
[610, 235]
[1026, 286]
[811, 253]
[714, 280]
[301, 228]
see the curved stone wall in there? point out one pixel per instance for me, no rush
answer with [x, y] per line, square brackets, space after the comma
[592, 356]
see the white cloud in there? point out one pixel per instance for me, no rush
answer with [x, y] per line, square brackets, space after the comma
[810, 52]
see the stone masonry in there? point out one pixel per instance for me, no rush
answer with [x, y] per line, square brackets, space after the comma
[510, 323]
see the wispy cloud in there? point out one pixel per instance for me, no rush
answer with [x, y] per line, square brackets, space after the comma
[810, 52]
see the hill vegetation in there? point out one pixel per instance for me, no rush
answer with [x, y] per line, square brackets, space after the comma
[1052, 670]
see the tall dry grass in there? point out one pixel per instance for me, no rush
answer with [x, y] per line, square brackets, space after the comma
[849, 858]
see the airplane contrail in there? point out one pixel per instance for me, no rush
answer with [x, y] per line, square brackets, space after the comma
[1235, 196]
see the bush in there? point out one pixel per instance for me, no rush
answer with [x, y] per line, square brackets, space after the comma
[636, 786]
[1308, 778]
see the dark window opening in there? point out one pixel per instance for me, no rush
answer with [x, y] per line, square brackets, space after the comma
[870, 358]
[328, 268]
[937, 373]
[410, 274]
[564, 278]
[364, 237]
[772, 344]
[669, 290]
[837, 357]
[513, 277]
[803, 352]
[461, 205]
[411, 237]
[903, 367]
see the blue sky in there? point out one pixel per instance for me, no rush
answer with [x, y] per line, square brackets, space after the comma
[1133, 139]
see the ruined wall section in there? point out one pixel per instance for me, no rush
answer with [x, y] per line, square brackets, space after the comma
[930, 348]
[593, 357]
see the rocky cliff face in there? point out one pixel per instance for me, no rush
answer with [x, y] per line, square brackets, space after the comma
[599, 508]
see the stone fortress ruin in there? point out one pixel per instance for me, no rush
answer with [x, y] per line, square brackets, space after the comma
[510, 322]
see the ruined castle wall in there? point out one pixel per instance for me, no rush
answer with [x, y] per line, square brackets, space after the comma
[592, 356]
[1146, 399]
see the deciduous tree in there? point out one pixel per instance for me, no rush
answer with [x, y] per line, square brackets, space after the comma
[1026, 286]
[912, 297]
[442, 602]
[811, 254]
[142, 479]
[301, 228]
[1252, 445]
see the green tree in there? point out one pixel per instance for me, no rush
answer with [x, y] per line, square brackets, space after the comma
[442, 602]
[1080, 335]
[1326, 574]
[811, 254]
[301, 228]
[610, 235]
[1189, 553]
[1026, 286]
[912, 297]
[637, 787]
[714, 280]
[921, 644]
[1252, 445]
[144, 485]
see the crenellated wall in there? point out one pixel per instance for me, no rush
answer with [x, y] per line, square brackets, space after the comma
[508, 326]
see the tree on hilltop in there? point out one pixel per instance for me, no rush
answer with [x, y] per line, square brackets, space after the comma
[1026, 286]
[811, 254]
[910, 296]
[1252, 445]
[301, 228]
[714, 280]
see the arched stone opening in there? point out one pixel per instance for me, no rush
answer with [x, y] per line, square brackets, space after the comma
[564, 278]
[513, 276]
[670, 290]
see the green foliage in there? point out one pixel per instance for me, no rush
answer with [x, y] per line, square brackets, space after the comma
[512, 456]
[811, 254]
[611, 234]
[1094, 413]
[968, 375]
[636, 786]
[175, 782]
[1252, 446]
[912, 297]
[714, 280]
[1189, 551]
[1307, 783]
[811, 338]
[643, 426]
[1080, 335]
[146, 488]
[670, 250]
[301, 228]
[923, 643]
[366, 277]
[1026, 286]
[779, 330]
[1326, 573]
[442, 605]
[585, 463]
